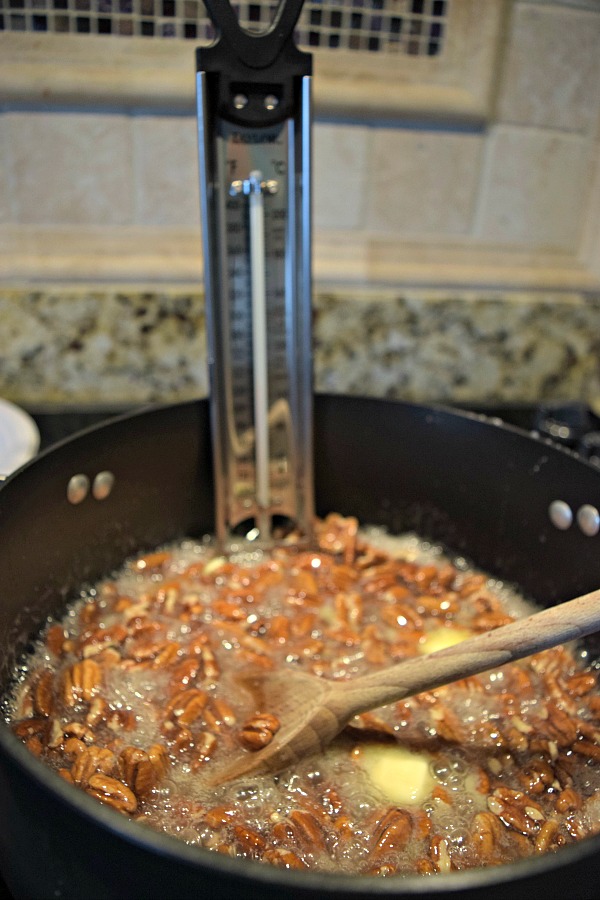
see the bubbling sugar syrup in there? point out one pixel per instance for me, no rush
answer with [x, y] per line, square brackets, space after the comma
[183, 620]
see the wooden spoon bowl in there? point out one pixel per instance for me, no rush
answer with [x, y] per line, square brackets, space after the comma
[312, 711]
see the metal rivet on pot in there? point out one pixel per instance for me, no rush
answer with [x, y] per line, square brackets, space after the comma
[588, 519]
[78, 488]
[103, 485]
[561, 514]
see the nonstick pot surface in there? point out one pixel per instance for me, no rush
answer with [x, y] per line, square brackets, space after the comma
[480, 489]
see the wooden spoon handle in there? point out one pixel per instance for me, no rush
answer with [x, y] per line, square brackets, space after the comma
[524, 637]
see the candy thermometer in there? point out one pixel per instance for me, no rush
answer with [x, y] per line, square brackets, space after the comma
[254, 128]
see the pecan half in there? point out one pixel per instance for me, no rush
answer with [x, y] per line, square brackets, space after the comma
[301, 829]
[187, 705]
[138, 771]
[90, 761]
[258, 731]
[112, 792]
[81, 682]
[393, 832]
[43, 694]
[55, 639]
[486, 833]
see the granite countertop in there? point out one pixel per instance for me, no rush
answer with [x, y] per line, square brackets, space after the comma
[101, 346]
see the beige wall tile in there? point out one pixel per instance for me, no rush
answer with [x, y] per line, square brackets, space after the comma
[69, 168]
[6, 211]
[166, 171]
[552, 68]
[423, 182]
[536, 188]
[340, 171]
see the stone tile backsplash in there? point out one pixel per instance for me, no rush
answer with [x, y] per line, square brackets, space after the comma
[523, 182]
[107, 347]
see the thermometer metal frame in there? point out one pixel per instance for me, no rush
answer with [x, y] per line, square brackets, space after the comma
[255, 181]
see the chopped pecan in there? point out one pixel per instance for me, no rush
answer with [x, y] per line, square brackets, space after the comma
[285, 859]
[97, 712]
[546, 835]
[179, 737]
[34, 745]
[210, 666]
[537, 777]
[249, 842]
[102, 638]
[587, 748]
[349, 608]
[517, 810]
[567, 801]
[205, 744]
[218, 817]
[337, 534]
[381, 871]
[152, 561]
[167, 655]
[223, 713]
[65, 774]
[438, 852]
[120, 719]
[55, 738]
[73, 746]
[559, 725]
[38, 726]
[185, 671]
[80, 731]
[581, 684]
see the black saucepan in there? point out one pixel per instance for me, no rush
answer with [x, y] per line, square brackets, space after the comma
[482, 489]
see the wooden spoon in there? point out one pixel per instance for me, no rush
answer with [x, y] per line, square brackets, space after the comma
[313, 710]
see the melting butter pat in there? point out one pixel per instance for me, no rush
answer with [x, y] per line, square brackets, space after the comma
[402, 776]
[440, 638]
[213, 565]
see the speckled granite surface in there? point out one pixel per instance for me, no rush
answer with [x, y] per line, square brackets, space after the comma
[108, 346]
